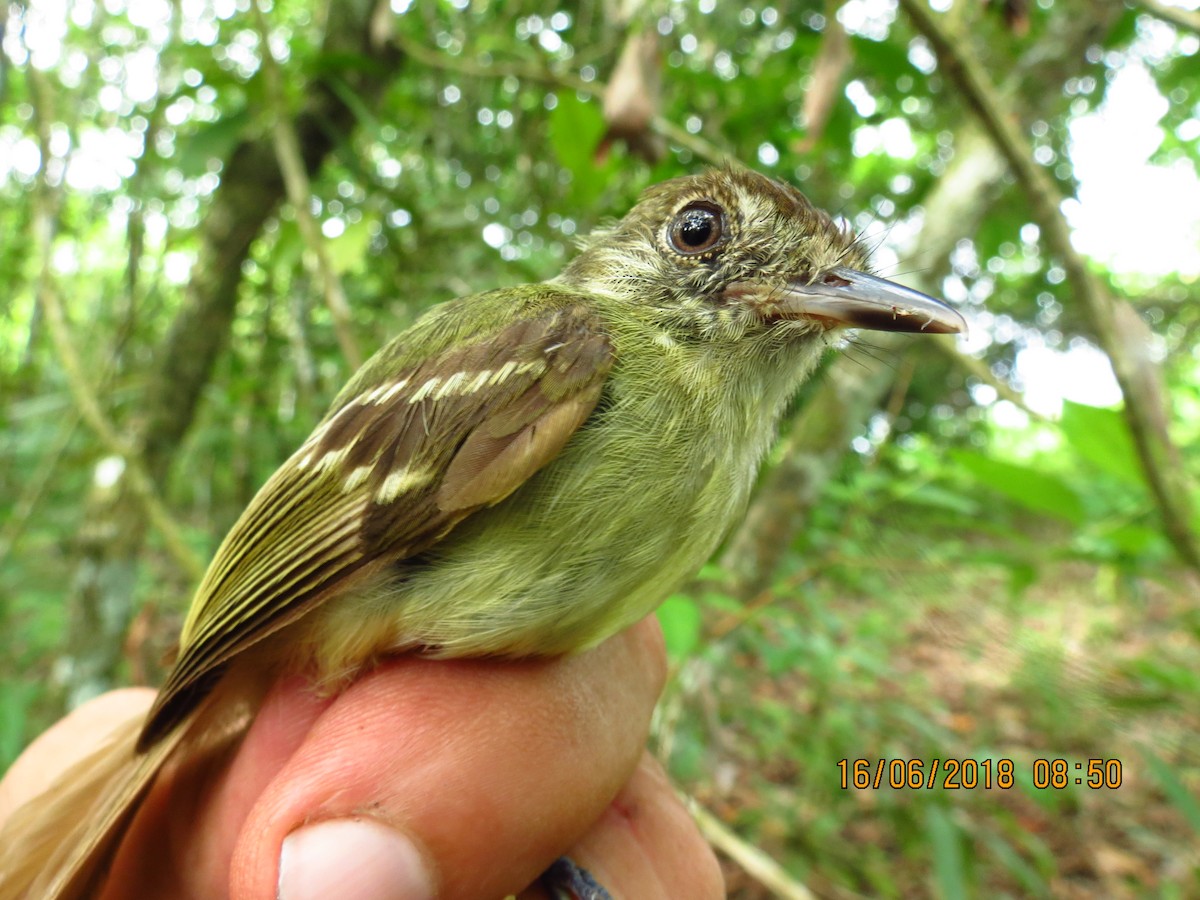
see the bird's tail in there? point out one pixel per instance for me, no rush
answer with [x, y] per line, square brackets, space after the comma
[59, 845]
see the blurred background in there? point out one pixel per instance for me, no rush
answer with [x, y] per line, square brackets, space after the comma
[984, 549]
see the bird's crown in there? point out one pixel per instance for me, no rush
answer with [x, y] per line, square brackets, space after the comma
[693, 236]
[729, 252]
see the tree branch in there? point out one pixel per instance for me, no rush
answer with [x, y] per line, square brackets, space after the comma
[299, 192]
[1113, 321]
[1177, 16]
[92, 413]
[695, 144]
[978, 369]
[78, 381]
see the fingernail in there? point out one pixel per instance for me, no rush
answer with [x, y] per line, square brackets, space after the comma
[352, 859]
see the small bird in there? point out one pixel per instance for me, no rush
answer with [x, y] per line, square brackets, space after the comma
[522, 472]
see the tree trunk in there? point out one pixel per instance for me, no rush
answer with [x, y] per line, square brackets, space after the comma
[251, 190]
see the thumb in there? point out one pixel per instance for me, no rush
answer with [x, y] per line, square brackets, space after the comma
[455, 779]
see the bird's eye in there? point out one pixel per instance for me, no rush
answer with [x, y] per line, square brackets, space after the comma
[697, 229]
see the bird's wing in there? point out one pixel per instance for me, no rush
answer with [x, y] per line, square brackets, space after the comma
[406, 453]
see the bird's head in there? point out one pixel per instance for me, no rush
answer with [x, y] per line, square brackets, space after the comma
[730, 253]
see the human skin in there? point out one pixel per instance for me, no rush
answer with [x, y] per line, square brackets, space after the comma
[454, 779]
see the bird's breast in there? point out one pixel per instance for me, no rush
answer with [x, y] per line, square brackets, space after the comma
[636, 502]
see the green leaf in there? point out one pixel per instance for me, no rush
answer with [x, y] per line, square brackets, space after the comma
[1101, 437]
[1031, 880]
[1021, 576]
[348, 251]
[1176, 791]
[886, 59]
[946, 845]
[213, 140]
[1035, 490]
[1134, 540]
[576, 127]
[1163, 676]
[935, 497]
[680, 620]
[15, 700]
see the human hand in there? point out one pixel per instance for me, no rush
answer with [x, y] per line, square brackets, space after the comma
[454, 779]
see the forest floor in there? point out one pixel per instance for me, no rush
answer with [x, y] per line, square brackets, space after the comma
[955, 664]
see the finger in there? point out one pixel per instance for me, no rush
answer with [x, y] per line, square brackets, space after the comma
[477, 772]
[181, 842]
[646, 845]
[67, 742]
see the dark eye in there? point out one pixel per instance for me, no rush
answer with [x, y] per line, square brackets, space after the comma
[697, 229]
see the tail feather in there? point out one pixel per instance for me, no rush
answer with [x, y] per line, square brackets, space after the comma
[58, 846]
[61, 844]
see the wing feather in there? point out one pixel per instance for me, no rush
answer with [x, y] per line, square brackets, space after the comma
[408, 452]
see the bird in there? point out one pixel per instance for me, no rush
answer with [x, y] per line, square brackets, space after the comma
[522, 472]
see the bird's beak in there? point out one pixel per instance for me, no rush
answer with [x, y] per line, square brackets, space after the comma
[855, 299]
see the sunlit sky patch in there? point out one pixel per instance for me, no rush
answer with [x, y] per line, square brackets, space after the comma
[1133, 216]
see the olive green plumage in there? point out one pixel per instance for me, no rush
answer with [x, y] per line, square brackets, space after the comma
[523, 471]
[527, 471]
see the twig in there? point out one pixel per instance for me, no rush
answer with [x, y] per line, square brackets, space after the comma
[1143, 409]
[135, 226]
[895, 402]
[730, 622]
[979, 370]
[299, 191]
[78, 381]
[1177, 16]
[695, 144]
[756, 864]
[701, 148]
[92, 413]
[35, 487]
